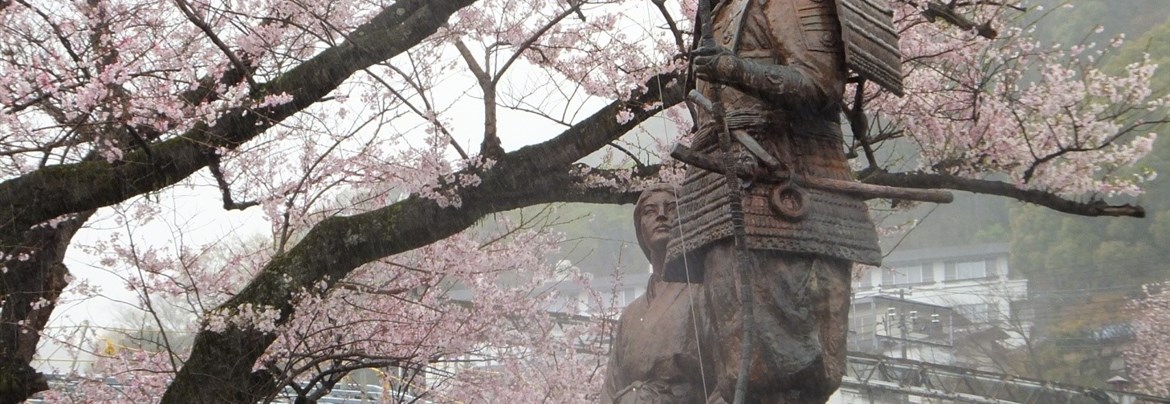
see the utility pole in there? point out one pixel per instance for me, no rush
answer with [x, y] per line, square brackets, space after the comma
[901, 318]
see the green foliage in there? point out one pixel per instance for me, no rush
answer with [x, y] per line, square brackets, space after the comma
[1072, 24]
[1160, 229]
[1062, 252]
[1153, 43]
[599, 239]
[970, 219]
[995, 232]
[602, 239]
[1080, 269]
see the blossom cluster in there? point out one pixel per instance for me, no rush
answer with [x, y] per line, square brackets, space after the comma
[1148, 358]
[1047, 117]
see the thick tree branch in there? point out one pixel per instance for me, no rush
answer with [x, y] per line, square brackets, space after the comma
[220, 365]
[58, 190]
[34, 277]
[1049, 200]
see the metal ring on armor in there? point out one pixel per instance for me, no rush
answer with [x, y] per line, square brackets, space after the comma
[789, 201]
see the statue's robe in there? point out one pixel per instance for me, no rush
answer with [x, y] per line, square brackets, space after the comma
[654, 358]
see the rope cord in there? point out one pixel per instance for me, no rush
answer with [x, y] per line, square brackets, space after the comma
[690, 299]
[690, 291]
[735, 200]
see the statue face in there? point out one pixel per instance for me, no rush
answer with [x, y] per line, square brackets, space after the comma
[656, 215]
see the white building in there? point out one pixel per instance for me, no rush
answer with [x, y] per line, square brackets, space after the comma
[957, 306]
[953, 306]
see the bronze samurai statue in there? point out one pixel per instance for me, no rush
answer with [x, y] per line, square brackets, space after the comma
[772, 74]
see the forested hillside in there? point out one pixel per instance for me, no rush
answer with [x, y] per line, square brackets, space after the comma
[1083, 271]
[1070, 252]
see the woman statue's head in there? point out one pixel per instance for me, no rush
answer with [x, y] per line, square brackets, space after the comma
[654, 218]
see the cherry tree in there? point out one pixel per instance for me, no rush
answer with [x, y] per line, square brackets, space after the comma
[1147, 359]
[441, 347]
[374, 135]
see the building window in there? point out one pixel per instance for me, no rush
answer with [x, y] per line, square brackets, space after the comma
[907, 275]
[966, 270]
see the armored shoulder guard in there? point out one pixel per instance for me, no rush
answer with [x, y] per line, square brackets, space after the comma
[871, 42]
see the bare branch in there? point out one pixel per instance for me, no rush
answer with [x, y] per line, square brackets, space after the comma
[628, 153]
[576, 8]
[56, 190]
[678, 35]
[225, 188]
[427, 104]
[56, 31]
[601, 128]
[937, 10]
[478, 71]
[491, 146]
[239, 64]
[1041, 160]
[1094, 207]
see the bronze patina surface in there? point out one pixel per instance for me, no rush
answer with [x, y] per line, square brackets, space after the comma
[783, 87]
[777, 72]
[654, 357]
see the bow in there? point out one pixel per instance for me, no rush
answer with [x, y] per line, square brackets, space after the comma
[714, 107]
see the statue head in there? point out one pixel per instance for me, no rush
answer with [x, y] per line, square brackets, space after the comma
[654, 218]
